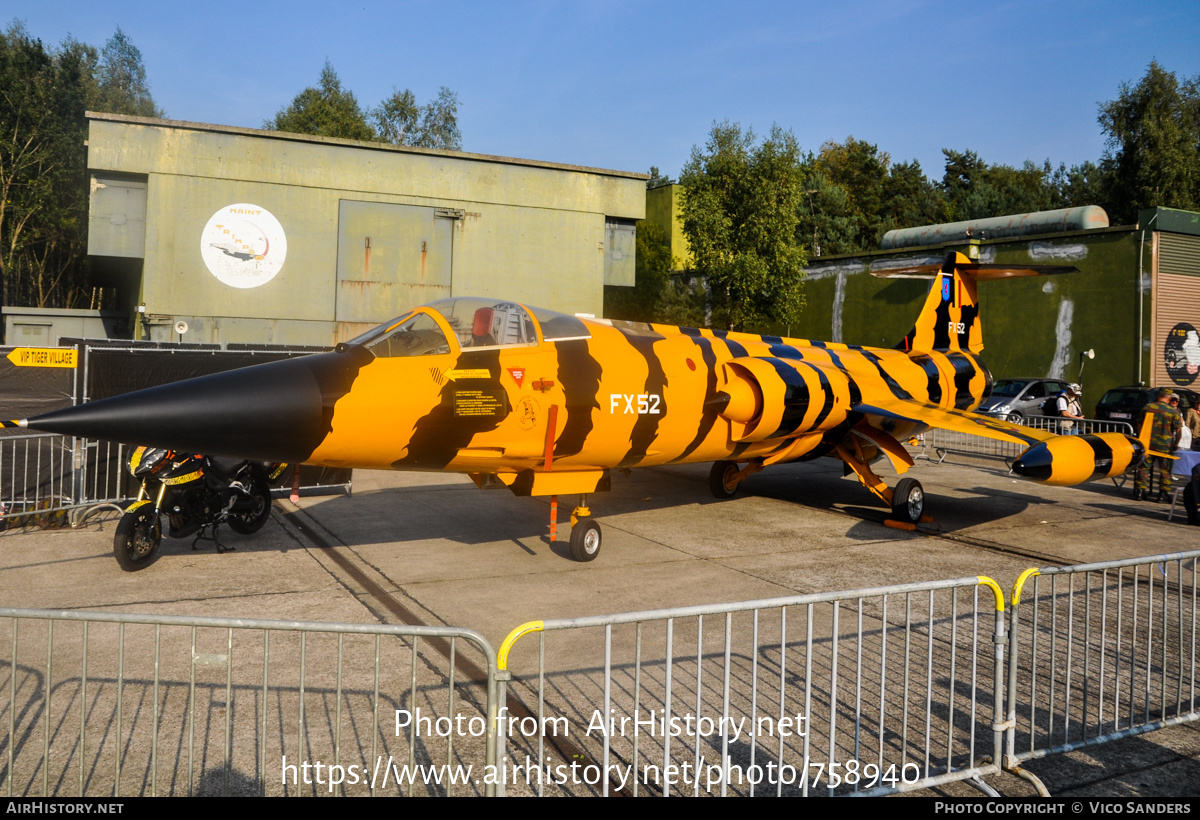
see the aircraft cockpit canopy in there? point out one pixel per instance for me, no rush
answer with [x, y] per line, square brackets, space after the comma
[477, 323]
[487, 322]
[418, 335]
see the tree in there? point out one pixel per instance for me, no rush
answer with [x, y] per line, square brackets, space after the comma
[657, 180]
[326, 111]
[1078, 185]
[398, 118]
[659, 294]
[1152, 153]
[400, 121]
[333, 111]
[121, 80]
[43, 96]
[439, 122]
[739, 206]
[976, 190]
[854, 194]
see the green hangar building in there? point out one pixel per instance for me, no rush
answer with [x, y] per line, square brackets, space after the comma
[1134, 304]
[233, 235]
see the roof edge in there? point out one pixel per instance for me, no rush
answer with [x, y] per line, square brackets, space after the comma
[183, 125]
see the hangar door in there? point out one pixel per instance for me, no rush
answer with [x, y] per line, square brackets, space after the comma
[390, 258]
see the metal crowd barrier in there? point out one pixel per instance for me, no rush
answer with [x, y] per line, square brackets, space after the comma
[1100, 652]
[35, 476]
[870, 691]
[938, 443]
[100, 704]
[47, 479]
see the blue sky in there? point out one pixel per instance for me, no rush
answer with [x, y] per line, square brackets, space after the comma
[628, 85]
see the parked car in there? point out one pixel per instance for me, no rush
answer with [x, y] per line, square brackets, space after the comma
[1015, 399]
[1127, 403]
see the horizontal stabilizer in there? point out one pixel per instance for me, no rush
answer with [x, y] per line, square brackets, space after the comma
[981, 272]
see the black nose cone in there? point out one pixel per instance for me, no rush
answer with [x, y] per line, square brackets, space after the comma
[279, 411]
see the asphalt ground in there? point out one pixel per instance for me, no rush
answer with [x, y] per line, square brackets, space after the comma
[432, 549]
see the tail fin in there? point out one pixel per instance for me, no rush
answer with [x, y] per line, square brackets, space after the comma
[949, 321]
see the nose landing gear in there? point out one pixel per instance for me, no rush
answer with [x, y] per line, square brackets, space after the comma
[585, 532]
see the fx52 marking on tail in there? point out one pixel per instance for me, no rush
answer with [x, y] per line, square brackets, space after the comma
[547, 404]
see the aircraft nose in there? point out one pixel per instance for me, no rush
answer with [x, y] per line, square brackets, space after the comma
[278, 411]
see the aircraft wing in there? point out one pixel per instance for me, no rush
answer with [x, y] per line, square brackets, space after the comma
[960, 421]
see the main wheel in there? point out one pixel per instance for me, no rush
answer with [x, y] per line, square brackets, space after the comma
[1015, 418]
[585, 540]
[908, 500]
[139, 535]
[722, 479]
[252, 520]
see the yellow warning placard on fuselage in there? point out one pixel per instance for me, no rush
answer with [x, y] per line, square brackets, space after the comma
[44, 356]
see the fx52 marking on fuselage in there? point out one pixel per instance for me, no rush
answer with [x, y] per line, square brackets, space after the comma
[547, 404]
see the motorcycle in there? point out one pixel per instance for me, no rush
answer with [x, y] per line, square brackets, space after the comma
[196, 493]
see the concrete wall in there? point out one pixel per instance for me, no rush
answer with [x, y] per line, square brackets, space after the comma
[521, 230]
[662, 208]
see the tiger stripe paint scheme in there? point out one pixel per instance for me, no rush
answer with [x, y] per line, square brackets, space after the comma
[553, 412]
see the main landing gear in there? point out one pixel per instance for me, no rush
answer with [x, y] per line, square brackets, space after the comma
[726, 476]
[907, 500]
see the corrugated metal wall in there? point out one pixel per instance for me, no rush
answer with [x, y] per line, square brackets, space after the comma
[1175, 341]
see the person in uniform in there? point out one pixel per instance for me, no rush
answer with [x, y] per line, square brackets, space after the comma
[1165, 426]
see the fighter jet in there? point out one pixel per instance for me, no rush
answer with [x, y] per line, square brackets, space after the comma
[548, 404]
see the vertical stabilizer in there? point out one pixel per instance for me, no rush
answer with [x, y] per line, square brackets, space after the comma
[949, 321]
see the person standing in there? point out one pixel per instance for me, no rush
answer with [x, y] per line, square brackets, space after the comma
[1191, 420]
[1165, 426]
[1070, 409]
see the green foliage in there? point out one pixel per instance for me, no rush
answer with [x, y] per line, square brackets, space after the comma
[121, 80]
[740, 204]
[659, 294]
[1152, 156]
[657, 180]
[325, 111]
[43, 96]
[1078, 185]
[976, 190]
[439, 123]
[854, 194]
[330, 110]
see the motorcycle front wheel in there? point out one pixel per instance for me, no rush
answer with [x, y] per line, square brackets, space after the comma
[139, 535]
[251, 521]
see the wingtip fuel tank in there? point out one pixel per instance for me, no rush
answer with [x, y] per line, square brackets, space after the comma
[1067, 460]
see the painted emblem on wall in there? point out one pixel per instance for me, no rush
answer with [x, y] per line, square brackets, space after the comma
[243, 245]
[1181, 354]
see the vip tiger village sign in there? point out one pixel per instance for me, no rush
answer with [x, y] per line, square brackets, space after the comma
[243, 245]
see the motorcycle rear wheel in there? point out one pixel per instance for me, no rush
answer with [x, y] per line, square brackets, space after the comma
[252, 520]
[139, 535]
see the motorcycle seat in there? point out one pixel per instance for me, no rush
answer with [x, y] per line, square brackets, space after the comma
[226, 468]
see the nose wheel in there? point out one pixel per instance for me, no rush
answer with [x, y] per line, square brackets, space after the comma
[585, 538]
[585, 532]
